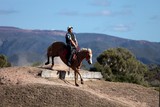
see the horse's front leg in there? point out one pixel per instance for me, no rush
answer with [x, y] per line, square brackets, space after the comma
[80, 77]
[76, 78]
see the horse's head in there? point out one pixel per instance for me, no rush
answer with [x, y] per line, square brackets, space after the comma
[89, 56]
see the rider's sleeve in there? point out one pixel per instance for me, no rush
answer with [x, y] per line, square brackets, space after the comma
[68, 36]
[75, 38]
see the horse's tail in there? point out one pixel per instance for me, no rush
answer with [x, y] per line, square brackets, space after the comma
[49, 51]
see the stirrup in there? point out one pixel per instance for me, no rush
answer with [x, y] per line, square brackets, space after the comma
[69, 64]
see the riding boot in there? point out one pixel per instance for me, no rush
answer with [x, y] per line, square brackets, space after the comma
[69, 54]
[69, 60]
[73, 51]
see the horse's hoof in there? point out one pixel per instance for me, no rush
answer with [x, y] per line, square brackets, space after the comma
[77, 85]
[46, 63]
[82, 82]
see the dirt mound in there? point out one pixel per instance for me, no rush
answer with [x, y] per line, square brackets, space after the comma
[52, 96]
[23, 86]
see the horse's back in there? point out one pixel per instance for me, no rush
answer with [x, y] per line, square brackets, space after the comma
[59, 44]
[56, 47]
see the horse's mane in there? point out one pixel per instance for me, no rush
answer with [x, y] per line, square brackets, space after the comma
[85, 49]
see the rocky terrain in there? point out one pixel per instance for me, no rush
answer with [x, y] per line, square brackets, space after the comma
[24, 87]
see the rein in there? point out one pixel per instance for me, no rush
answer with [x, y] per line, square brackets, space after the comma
[77, 57]
[87, 56]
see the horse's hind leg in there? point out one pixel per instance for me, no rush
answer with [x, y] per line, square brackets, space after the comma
[47, 60]
[52, 62]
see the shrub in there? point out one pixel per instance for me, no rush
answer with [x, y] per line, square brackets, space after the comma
[119, 64]
[4, 62]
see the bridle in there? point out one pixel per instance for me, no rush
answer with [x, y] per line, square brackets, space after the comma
[88, 55]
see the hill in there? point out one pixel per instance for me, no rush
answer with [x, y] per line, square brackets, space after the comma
[23, 86]
[25, 47]
[145, 51]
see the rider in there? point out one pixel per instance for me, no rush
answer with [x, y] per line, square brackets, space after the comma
[72, 43]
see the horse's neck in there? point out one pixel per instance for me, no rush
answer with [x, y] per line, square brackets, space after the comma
[81, 55]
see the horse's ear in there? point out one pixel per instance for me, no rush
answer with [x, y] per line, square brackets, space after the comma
[88, 49]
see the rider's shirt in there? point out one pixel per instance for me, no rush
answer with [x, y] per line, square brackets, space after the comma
[70, 36]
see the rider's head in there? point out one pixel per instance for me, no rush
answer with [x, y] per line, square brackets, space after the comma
[69, 28]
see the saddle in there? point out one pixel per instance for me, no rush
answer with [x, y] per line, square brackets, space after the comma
[65, 54]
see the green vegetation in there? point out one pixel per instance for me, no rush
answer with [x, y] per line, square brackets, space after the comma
[119, 64]
[153, 77]
[4, 62]
[35, 64]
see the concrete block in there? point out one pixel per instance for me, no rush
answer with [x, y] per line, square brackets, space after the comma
[64, 75]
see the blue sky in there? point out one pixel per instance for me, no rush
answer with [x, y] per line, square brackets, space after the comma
[131, 19]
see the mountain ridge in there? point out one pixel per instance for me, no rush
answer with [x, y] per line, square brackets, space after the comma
[64, 32]
[30, 46]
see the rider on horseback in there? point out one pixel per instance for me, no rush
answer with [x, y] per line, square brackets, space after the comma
[72, 43]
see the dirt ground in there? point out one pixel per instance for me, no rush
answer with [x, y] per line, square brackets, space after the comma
[24, 87]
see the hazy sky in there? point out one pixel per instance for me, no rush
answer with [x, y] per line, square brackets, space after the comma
[132, 19]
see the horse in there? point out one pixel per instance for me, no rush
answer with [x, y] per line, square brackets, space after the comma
[60, 49]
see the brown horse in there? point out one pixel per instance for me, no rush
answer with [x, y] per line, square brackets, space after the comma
[60, 49]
